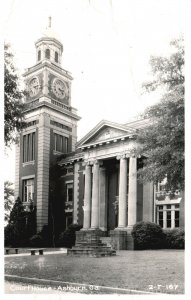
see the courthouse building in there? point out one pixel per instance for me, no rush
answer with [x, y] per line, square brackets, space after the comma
[98, 186]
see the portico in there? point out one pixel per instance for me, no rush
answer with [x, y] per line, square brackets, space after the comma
[95, 185]
[113, 199]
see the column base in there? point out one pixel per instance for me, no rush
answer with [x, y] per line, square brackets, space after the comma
[130, 240]
[118, 238]
[121, 238]
[88, 243]
[88, 235]
[120, 229]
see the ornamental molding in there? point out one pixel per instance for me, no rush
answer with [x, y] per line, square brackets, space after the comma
[131, 153]
[105, 128]
[92, 162]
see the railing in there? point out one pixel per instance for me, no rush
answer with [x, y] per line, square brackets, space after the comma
[31, 104]
[68, 206]
[61, 105]
[162, 195]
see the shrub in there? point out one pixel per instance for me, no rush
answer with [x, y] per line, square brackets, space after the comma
[148, 235]
[15, 236]
[36, 241]
[68, 237]
[8, 235]
[47, 236]
[175, 238]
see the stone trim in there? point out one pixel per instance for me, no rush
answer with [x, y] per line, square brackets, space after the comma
[28, 177]
[76, 193]
[17, 170]
[43, 172]
[60, 132]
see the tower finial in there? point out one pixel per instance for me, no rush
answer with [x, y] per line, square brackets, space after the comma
[49, 19]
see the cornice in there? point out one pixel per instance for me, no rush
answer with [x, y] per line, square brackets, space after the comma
[50, 105]
[130, 131]
[50, 65]
[107, 142]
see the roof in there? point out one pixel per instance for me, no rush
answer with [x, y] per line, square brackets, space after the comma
[120, 130]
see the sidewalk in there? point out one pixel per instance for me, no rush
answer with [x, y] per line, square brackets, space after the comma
[29, 254]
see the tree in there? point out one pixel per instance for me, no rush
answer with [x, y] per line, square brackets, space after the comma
[162, 142]
[8, 198]
[14, 106]
[15, 231]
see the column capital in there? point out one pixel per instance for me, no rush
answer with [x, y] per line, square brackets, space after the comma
[102, 168]
[91, 162]
[124, 154]
[97, 162]
[86, 163]
[127, 154]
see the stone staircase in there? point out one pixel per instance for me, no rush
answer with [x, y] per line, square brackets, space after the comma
[106, 240]
[89, 243]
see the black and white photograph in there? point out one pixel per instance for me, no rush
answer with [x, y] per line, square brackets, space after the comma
[94, 148]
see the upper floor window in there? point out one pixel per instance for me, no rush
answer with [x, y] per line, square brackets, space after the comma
[28, 190]
[56, 57]
[69, 189]
[39, 55]
[168, 216]
[47, 53]
[29, 147]
[60, 143]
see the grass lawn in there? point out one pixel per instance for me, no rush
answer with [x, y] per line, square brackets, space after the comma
[129, 269]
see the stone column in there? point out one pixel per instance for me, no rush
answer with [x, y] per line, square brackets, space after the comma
[102, 200]
[132, 196]
[95, 197]
[87, 197]
[122, 214]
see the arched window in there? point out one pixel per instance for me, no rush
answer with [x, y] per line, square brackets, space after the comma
[47, 53]
[56, 56]
[39, 55]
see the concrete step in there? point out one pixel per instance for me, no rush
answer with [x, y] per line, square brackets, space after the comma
[83, 252]
[106, 240]
[85, 243]
[89, 248]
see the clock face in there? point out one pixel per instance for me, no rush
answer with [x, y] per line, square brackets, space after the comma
[34, 87]
[59, 88]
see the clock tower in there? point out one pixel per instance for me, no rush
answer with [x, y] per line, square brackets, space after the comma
[51, 124]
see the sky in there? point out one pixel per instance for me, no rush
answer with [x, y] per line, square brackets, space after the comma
[107, 46]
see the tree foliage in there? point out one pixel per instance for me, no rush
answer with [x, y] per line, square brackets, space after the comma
[8, 198]
[162, 142]
[21, 225]
[14, 106]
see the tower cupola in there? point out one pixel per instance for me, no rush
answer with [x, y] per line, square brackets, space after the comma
[48, 47]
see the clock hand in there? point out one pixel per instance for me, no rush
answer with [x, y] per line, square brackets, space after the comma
[61, 89]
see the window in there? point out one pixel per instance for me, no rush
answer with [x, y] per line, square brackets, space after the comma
[60, 143]
[39, 55]
[28, 190]
[54, 123]
[160, 219]
[69, 221]
[168, 219]
[47, 53]
[69, 190]
[168, 216]
[177, 217]
[56, 57]
[29, 147]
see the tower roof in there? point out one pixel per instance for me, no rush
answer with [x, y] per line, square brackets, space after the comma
[49, 34]
[49, 31]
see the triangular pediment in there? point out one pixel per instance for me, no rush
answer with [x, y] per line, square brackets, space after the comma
[104, 131]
